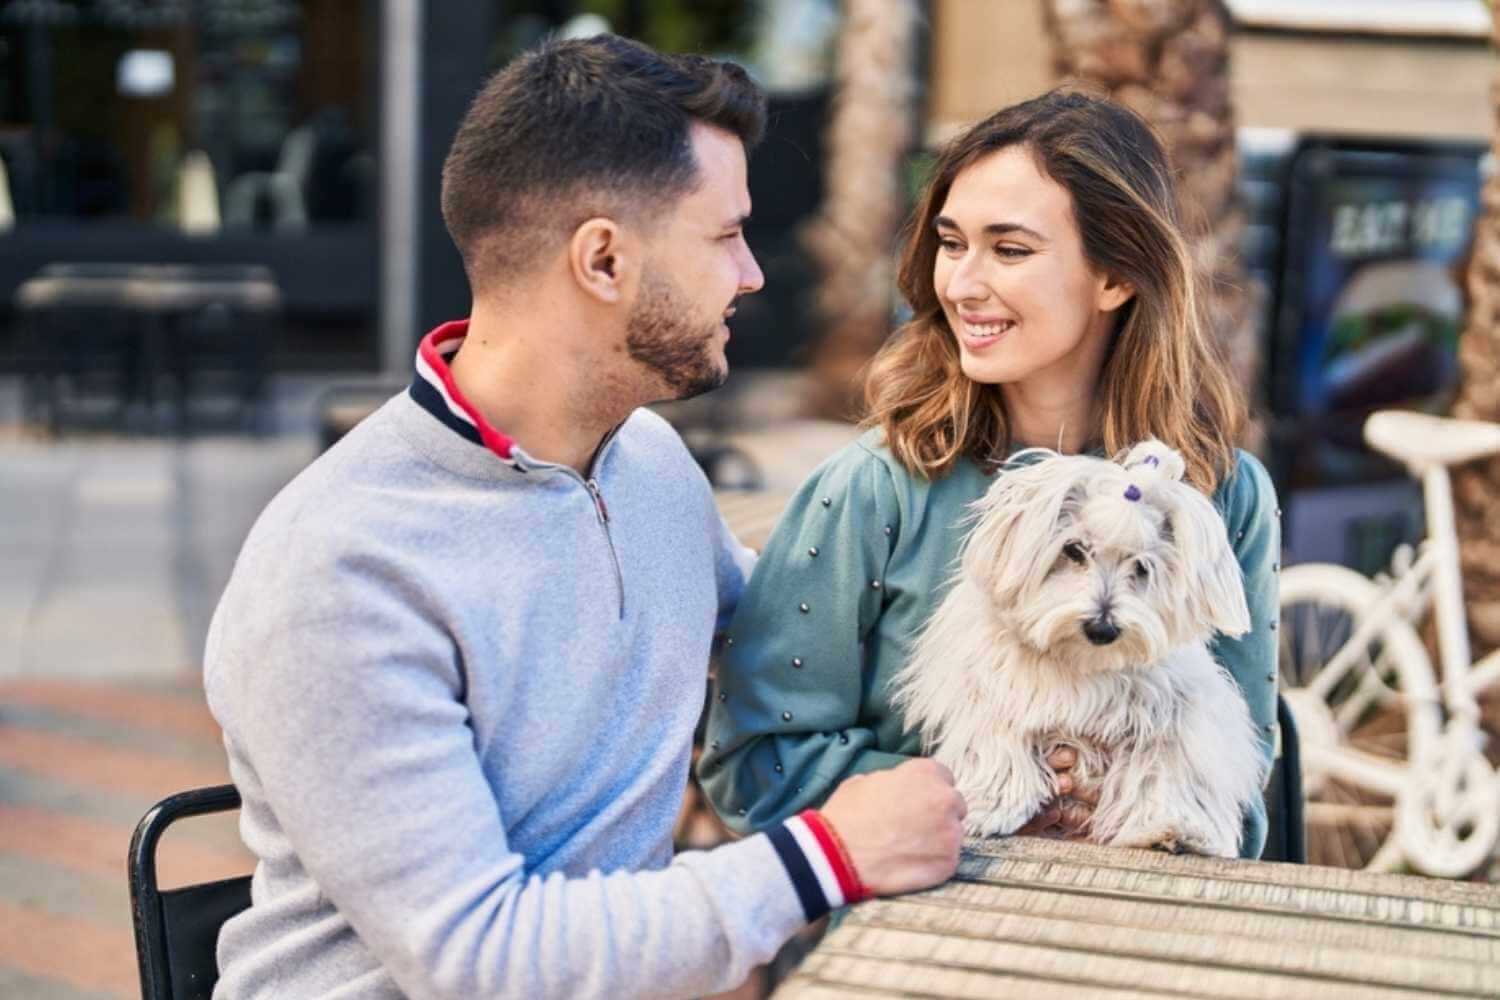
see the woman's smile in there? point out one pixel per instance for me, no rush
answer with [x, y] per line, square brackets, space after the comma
[981, 335]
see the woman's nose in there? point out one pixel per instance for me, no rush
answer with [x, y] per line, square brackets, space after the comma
[965, 283]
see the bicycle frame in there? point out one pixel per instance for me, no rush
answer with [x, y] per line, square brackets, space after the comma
[1446, 799]
[1463, 679]
[1406, 597]
[1435, 574]
[1448, 595]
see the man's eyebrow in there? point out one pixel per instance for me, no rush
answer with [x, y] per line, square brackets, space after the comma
[993, 229]
[739, 222]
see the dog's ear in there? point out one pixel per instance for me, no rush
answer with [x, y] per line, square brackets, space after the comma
[1213, 583]
[1019, 521]
[1151, 460]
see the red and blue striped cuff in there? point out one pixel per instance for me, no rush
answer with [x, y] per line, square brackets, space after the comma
[821, 870]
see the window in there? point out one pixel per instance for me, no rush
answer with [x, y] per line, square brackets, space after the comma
[203, 115]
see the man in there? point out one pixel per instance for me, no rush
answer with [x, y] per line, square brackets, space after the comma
[461, 656]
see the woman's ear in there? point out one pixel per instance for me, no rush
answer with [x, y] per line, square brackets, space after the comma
[600, 256]
[1114, 293]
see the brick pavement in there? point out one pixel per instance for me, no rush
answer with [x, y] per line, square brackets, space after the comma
[80, 762]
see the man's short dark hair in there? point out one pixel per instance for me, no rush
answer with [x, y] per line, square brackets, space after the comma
[574, 129]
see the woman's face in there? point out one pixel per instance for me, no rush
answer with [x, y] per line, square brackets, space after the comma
[1010, 273]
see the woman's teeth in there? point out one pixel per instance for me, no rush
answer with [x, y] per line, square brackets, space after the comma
[988, 329]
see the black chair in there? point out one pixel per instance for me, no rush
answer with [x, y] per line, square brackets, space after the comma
[177, 931]
[1286, 836]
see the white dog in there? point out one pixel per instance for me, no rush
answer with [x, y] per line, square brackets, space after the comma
[1080, 614]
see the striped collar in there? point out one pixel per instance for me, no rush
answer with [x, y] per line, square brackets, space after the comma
[435, 391]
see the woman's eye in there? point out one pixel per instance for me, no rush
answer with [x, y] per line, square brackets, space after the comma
[950, 246]
[1012, 253]
[1075, 552]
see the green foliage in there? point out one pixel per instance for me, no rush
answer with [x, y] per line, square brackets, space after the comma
[707, 26]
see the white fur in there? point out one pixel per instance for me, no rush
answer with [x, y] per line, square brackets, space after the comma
[1002, 673]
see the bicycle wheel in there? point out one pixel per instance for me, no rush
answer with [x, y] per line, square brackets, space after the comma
[1365, 701]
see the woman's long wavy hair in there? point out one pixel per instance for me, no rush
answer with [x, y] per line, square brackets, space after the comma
[1163, 376]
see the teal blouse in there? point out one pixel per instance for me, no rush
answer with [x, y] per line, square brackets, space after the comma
[859, 560]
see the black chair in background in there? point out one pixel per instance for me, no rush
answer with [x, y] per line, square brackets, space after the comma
[177, 930]
[1286, 836]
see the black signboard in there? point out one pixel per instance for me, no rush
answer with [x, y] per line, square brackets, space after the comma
[1369, 309]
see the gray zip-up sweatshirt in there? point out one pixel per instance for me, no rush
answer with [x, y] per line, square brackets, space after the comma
[458, 689]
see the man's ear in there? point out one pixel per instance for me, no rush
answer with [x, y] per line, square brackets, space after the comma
[1114, 293]
[602, 257]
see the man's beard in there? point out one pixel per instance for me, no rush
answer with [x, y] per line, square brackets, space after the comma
[663, 336]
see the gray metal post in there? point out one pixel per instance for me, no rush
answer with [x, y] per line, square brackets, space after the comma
[401, 133]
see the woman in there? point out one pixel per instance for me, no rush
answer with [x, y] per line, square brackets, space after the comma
[1054, 304]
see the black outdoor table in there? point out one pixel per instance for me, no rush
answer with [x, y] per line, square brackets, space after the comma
[141, 307]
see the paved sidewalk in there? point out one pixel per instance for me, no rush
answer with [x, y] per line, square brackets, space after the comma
[114, 551]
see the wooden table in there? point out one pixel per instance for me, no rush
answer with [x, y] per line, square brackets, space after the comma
[1035, 918]
[751, 514]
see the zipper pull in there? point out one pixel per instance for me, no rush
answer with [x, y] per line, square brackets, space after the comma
[594, 492]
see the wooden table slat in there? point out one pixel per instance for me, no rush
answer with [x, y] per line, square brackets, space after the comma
[939, 954]
[1476, 894]
[1181, 945]
[1198, 890]
[837, 976]
[1167, 915]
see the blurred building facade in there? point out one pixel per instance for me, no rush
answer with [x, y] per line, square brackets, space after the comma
[307, 135]
[1409, 68]
[199, 132]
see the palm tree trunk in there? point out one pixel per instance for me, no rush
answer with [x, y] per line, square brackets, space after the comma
[870, 133]
[1169, 61]
[1476, 487]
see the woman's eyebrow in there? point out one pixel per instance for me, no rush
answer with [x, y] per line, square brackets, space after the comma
[993, 229]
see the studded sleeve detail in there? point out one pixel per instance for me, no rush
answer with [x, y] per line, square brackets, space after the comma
[785, 725]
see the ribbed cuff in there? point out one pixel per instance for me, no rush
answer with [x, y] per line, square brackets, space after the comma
[818, 864]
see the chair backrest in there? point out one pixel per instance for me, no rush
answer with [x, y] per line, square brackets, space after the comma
[177, 931]
[1286, 836]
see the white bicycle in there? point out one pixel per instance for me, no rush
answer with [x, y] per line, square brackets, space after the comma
[1394, 770]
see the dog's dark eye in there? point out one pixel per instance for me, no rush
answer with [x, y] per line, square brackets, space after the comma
[1075, 552]
[1142, 572]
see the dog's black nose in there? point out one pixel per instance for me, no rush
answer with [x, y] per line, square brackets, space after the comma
[1101, 631]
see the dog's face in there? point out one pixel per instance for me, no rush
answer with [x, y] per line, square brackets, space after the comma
[1101, 565]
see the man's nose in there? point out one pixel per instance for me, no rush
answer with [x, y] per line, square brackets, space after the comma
[751, 278]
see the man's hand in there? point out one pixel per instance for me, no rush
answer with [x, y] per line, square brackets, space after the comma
[902, 827]
[1068, 815]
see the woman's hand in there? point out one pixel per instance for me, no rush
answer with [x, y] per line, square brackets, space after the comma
[1068, 815]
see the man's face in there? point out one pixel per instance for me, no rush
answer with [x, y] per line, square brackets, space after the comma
[697, 266]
